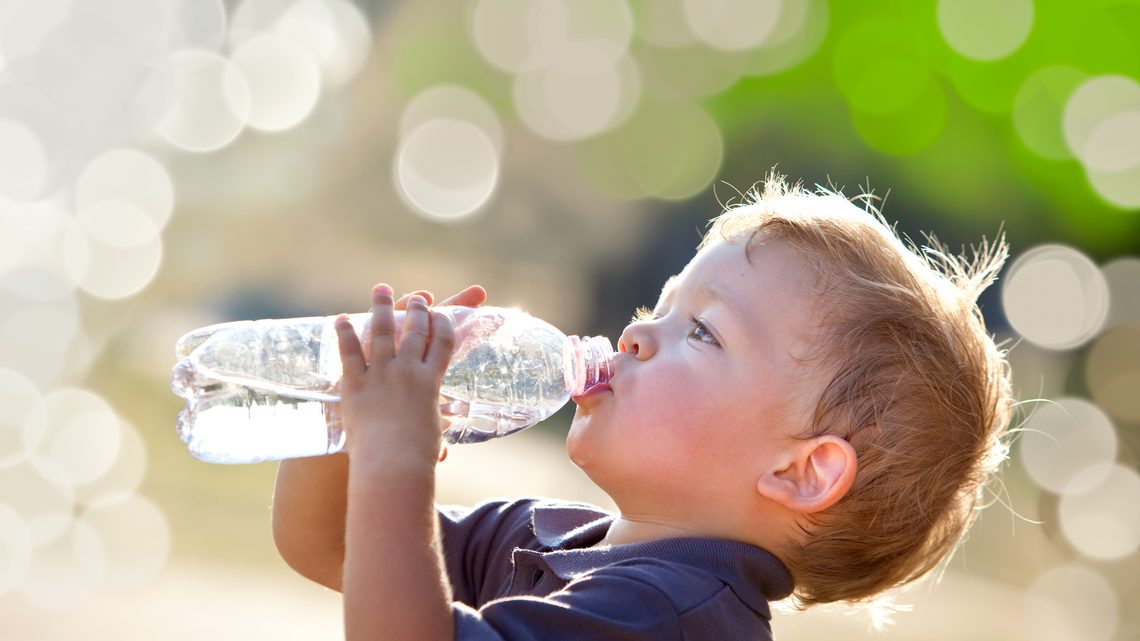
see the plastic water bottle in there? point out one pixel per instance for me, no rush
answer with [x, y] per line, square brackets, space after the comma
[267, 389]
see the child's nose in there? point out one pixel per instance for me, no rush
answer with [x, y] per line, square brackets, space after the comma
[635, 340]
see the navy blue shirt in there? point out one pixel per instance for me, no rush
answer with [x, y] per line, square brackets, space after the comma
[526, 570]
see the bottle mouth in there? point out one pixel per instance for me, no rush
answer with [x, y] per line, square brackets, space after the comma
[588, 363]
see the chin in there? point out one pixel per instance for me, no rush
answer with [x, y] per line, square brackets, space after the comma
[578, 444]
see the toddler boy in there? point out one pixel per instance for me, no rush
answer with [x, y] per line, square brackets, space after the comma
[810, 410]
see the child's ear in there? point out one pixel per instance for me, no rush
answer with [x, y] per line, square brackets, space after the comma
[815, 474]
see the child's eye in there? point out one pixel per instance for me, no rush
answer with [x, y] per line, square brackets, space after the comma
[700, 332]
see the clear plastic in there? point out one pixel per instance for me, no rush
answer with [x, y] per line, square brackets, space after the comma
[267, 390]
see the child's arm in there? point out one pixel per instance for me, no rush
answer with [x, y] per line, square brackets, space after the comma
[395, 585]
[310, 499]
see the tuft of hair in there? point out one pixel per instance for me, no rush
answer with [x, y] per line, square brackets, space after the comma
[911, 379]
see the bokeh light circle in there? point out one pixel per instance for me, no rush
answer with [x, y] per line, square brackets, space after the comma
[78, 437]
[211, 102]
[984, 29]
[133, 537]
[889, 85]
[1062, 439]
[565, 104]
[334, 32]
[604, 26]
[1102, 520]
[29, 249]
[1039, 108]
[118, 224]
[1055, 296]
[668, 150]
[905, 132]
[733, 24]
[455, 103]
[688, 72]
[283, 79]
[1070, 602]
[126, 472]
[663, 23]
[253, 18]
[66, 572]
[1118, 188]
[1114, 144]
[447, 168]
[800, 30]
[1112, 372]
[23, 161]
[519, 35]
[110, 270]
[1093, 103]
[897, 106]
[42, 496]
[38, 339]
[127, 176]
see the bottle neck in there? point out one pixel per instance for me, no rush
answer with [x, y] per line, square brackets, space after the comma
[589, 362]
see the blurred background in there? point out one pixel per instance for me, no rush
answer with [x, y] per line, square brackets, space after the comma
[166, 164]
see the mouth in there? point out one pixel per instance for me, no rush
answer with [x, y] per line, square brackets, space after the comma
[591, 397]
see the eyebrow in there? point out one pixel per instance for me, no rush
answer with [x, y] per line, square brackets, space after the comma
[706, 291]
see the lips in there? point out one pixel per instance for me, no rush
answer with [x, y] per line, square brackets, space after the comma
[590, 397]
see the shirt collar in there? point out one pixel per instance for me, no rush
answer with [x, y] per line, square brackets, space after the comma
[569, 530]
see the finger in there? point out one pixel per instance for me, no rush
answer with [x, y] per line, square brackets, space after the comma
[472, 296]
[416, 326]
[442, 342]
[383, 324]
[351, 356]
[402, 303]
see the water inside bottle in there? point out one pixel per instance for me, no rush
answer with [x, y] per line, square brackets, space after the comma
[266, 390]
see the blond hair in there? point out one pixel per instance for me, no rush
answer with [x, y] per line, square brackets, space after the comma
[912, 380]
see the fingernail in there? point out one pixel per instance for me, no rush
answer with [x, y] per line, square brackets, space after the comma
[417, 299]
[382, 290]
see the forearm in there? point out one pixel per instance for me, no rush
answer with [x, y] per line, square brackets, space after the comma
[309, 504]
[395, 584]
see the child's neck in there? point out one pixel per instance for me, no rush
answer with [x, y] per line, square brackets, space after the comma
[632, 529]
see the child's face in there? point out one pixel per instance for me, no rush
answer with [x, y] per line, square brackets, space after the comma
[707, 391]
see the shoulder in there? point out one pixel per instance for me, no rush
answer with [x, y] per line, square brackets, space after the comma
[684, 587]
[701, 606]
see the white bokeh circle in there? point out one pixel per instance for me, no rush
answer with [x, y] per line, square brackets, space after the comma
[110, 270]
[1070, 602]
[79, 436]
[334, 32]
[283, 80]
[447, 168]
[1063, 439]
[211, 102]
[127, 176]
[1055, 296]
[1101, 517]
[733, 24]
[984, 29]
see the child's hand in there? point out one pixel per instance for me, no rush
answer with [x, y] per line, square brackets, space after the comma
[471, 296]
[390, 400]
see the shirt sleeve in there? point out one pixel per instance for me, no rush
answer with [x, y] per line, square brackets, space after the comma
[615, 604]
